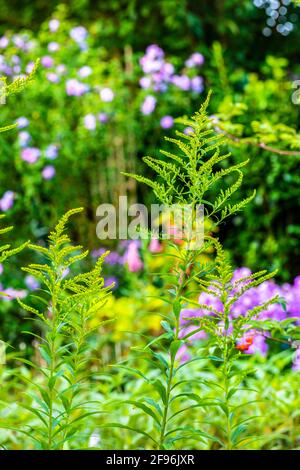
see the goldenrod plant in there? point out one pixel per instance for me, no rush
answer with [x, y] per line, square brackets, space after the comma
[63, 313]
[187, 180]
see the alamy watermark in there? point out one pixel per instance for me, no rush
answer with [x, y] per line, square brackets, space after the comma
[296, 94]
[2, 352]
[2, 92]
[137, 221]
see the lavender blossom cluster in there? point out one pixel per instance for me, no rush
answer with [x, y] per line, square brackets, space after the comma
[159, 76]
[253, 297]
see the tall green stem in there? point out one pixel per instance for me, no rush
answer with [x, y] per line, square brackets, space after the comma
[168, 392]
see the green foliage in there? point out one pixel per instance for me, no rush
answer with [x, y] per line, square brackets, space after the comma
[193, 175]
[167, 388]
[259, 116]
[64, 314]
[220, 284]
[5, 250]
[194, 168]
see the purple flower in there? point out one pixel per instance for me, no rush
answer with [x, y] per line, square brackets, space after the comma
[48, 172]
[79, 34]
[53, 46]
[32, 283]
[167, 70]
[7, 201]
[1, 269]
[259, 346]
[132, 258]
[30, 154]
[29, 67]
[51, 151]
[195, 60]
[111, 282]
[197, 84]
[113, 258]
[251, 298]
[188, 130]
[102, 117]
[24, 138]
[240, 273]
[53, 25]
[22, 122]
[166, 122]
[65, 272]
[75, 88]
[155, 51]
[106, 95]
[211, 301]
[148, 105]
[189, 329]
[84, 71]
[4, 42]
[15, 59]
[19, 41]
[89, 122]
[61, 69]
[296, 361]
[52, 77]
[98, 252]
[181, 81]
[5, 69]
[183, 354]
[145, 82]
[150, 65]
[47, 61]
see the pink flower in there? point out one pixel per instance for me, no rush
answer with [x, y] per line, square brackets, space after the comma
[155, 246]
[132, 258]
[30, 154]
[12, 293]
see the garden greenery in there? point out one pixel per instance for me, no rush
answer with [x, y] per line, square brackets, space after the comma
[151, 345]
[99, 103]
[187, 180]
[62, 411]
